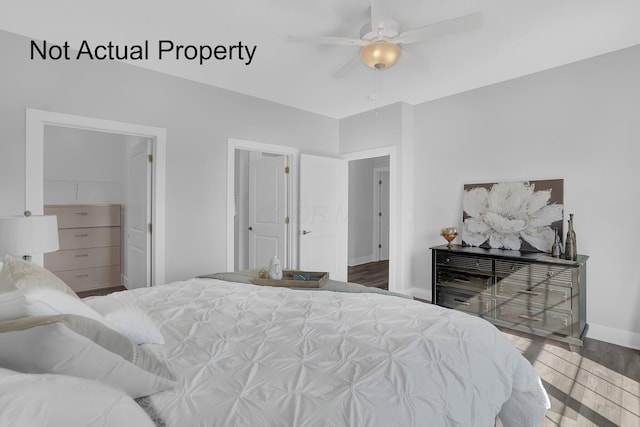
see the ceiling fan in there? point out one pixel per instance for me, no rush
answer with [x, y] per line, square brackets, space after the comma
[381, 40]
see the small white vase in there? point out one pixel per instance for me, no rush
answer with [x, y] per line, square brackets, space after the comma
[275, 270]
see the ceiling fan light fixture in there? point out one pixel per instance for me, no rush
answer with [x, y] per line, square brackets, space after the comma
[380, 54]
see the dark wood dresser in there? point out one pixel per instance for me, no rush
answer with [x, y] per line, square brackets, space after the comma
[529, 292]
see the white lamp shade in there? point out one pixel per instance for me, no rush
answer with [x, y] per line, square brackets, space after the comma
[28, 235]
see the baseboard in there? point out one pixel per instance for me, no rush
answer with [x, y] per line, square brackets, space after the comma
[361, 260]
[614, 336]
[417, 292]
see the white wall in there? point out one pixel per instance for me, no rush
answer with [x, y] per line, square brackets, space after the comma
[199, 120]
[578, 122]
[83, 166]
[361, 211]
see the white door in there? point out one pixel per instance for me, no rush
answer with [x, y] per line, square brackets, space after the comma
[267, 209]
[137, 214]
[324, 215]
[383, 215]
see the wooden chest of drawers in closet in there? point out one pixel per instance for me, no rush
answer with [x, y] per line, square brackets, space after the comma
[89, 254]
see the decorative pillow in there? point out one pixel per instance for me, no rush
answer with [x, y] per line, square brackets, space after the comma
[20, 274]
[81, 347]
[57, 400]
[43, 302]
[126, 318]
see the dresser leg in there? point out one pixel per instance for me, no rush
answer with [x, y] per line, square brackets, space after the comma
[575, 348]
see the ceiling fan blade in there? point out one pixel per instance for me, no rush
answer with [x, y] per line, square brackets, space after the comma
[342, 71]
[381, 14]
[443, 28]
[344, 41]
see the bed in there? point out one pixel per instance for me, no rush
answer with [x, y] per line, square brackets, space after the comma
[237, 354]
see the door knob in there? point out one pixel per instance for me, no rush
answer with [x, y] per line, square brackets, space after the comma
[305, 232]
[250, 228]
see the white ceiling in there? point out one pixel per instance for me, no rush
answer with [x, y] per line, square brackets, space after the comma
[517, 37]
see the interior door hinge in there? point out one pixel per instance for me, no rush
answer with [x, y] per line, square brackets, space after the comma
[286, 220]
[379, 213]
[380, 246]
[380, 182]
[149, 227]
[150, 157]
[286, 169]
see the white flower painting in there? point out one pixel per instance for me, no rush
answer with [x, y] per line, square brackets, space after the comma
[513, 215]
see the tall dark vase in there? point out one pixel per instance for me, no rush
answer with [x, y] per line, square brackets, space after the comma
[573, 233]
[570, 248]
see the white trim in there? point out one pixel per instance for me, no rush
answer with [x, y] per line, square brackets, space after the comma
[614, 336]
[292, 160]
[394, 212]
[34, 171]
[418, 293]
[376, 204]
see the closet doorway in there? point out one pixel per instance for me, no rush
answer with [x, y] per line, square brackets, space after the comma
[91, 170]
[145, 196]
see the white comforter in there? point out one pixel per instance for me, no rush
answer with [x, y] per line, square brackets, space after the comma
[248, 355]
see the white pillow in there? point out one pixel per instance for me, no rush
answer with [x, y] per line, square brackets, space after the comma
[43, 302]
[57, 400]
[81, 347]
[20, 274]
[126, 318]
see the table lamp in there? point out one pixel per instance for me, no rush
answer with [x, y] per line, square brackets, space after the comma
[23, 236]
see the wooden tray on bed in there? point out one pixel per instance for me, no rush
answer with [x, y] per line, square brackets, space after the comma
[316, 279]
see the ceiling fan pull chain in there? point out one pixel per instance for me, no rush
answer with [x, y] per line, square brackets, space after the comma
[376, 89]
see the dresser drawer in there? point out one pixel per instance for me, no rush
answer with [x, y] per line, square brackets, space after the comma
[91, 278]
[79, 216]
[479, 304]
[544, 295]
[465, 262]
[534, 274]
[74, 259]
[464, 280]
[522, 315]
[93, 237]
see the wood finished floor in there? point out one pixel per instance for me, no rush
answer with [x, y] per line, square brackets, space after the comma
[598, 387]
[374, 274]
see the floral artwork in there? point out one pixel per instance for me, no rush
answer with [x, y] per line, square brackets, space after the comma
[513, 215]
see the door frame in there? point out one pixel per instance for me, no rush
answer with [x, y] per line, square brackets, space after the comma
[394, 212]
[144, 146]
[36, 120]
[292, 194]
[376, 203]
